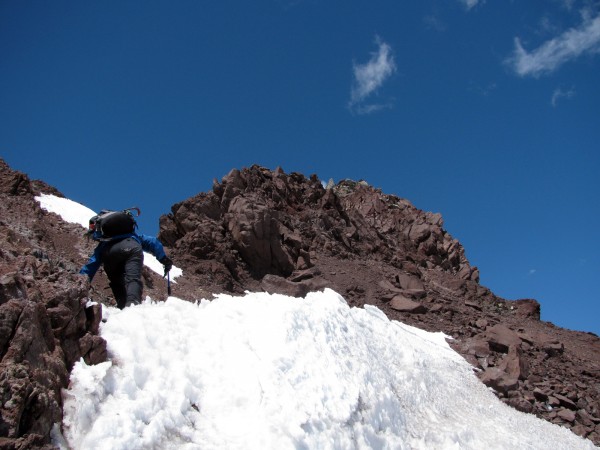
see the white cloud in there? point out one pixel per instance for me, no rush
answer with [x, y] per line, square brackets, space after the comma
[483, 90]
[567, 4]
[371, 108]
[433, 22]
[547, 27]
[556, 52]
[560, 93]
[369, 77]
[469, 3]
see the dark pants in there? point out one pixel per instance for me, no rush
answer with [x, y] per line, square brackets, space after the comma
[123, 261]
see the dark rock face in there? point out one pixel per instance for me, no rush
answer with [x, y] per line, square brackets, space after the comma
[44, 327]
[258, 222]
[46, 320]
[267, 230]
[262, 230]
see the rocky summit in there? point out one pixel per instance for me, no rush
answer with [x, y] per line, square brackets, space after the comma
[263, 230]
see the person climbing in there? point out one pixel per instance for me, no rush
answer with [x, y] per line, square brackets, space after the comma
[121, 251]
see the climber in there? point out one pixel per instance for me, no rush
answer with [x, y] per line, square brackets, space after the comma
[121, 251]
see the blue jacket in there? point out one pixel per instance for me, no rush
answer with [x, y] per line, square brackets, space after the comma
[149, 244]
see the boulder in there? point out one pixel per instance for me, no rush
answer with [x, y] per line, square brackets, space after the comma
[554, 348]
[405, 305]
[528, 308]
[515, 364]
[409, 282]
[567, 415]
[566, 402]
[274, 284]
[499, 380]
[501, 338]
[477, 346]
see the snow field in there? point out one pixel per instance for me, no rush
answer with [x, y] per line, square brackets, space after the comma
[273, 372]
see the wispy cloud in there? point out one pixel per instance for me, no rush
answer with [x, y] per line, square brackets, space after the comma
[469, 4]
[433, 22]
[483, 90]
[369, 77]
[560, 93]
[547, 27]
[554, 53]
[567, 4]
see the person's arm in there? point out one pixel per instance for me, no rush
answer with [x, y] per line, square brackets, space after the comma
[93, 264]
[154, 246]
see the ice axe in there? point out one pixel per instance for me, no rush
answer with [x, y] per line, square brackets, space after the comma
[168, 284]
[136, 209]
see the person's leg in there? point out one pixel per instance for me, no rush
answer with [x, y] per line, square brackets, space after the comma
[133, 277]
[114, 269]
[123, 262]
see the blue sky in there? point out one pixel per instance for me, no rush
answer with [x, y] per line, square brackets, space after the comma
[487, 112]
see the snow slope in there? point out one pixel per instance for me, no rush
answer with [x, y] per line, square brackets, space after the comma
[273, 372]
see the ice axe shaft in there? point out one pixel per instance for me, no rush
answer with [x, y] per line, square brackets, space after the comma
[168, 284]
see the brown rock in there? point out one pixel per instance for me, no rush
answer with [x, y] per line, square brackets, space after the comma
[385, 284]
[436, 308]
[580, 430]
[567, 415]
[473, 304]
[554, 348]
[553, 401]
[528, 308]
[566, 402]
[584, 418]
[515, 365]
[540, 395]
[501, 338]
[41, 314]
[499, 380]
[409, 282]
[257, 235]
[274, 284]
[93, 314]
[405, 305]
[93, 349]
[520, 404]
[481, 324]
[414, 293]
[477, 346]
[27, 442]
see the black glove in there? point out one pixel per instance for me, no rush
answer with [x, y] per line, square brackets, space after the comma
[166, 261]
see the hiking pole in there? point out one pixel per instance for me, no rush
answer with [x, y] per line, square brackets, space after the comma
[168, 284]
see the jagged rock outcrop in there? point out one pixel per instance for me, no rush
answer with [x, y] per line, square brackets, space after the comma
[267, 230]
[45, 322]
[258, 222]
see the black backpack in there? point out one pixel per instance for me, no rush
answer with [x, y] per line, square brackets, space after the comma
[109, 224]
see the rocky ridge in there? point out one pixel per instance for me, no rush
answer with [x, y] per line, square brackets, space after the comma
[267, 230]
